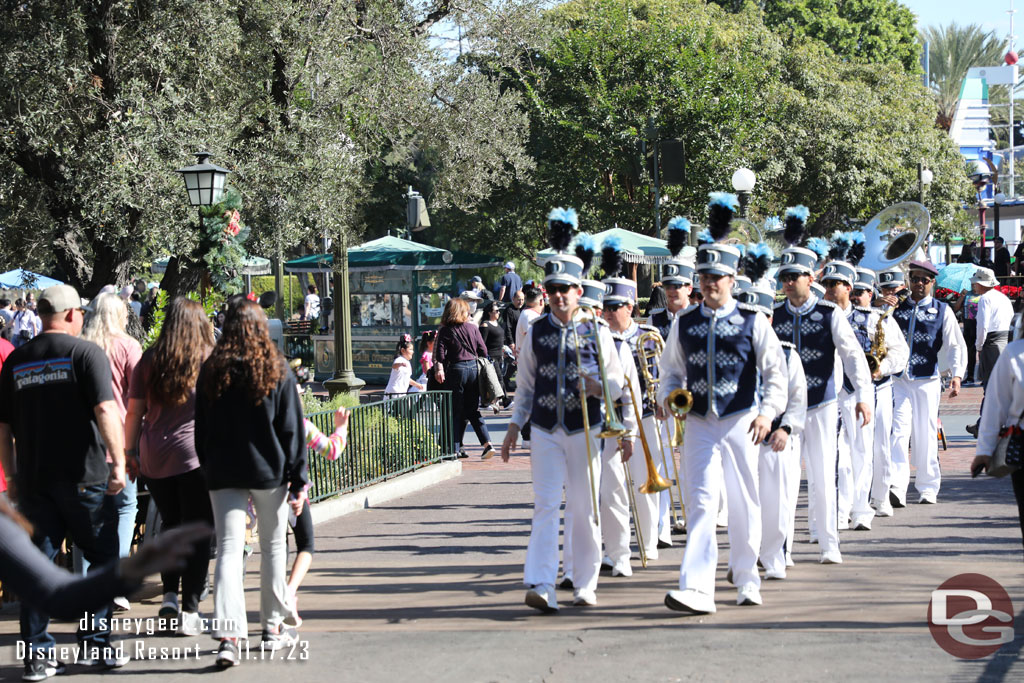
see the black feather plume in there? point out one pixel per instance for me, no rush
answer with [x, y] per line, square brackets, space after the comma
[721, 210]
[856, 252]
[795, 225]
[585, 252]
[561, 224]
[756, 261]
[611, 257]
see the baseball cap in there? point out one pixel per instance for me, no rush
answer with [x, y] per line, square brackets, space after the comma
[510, 265]
[476, 278]
[58, 299]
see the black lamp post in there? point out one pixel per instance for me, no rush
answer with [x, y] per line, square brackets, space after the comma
[204, 181]
[980, 176]
[743, 180]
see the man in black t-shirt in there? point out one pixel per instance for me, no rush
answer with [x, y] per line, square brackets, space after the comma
[57, 403]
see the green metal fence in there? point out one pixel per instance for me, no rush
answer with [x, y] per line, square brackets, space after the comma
[385, 439]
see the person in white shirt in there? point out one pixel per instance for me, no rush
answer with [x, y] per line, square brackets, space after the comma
[311, 305]
[533, 305]
[401, 370]
[994, 320]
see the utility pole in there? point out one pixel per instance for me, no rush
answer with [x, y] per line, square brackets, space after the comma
[1013, 88]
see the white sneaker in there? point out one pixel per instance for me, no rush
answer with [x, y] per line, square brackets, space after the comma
[582, 597]
[652, 554]
[622, 569]
[831, 557]
[690, 600]
[526, 444]
[168, 613]
[883, 508]
[927, 498]
[723, 519]
[121, 603]
[190, 624]
[748, 596]
[775, 574]
[542, 597]
[844, 523]
[862, 523]
[113, 661]
[789, 561]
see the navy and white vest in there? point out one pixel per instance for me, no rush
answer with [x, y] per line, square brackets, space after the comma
[556, 387]
[661, 320]
[860, 321]
[632, 336]
[922, 326]
[721, 365]
[811, 333]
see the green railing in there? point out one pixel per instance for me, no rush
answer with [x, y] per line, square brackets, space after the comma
[385, 439]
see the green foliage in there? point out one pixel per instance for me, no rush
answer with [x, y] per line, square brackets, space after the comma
[221, 242]
[312, 404]
[158, 315]
[265, 283]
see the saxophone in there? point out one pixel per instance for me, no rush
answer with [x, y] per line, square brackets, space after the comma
[878, 351]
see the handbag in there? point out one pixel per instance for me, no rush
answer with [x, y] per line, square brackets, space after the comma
[1009, 453]
[487, 377]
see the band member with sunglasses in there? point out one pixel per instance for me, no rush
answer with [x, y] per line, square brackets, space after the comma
[931, 331]
[562, 454]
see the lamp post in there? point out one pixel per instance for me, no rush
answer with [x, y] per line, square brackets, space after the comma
[204, 183]
[998, 202]
[980, 176]
[924, 179]
[344, 380]
[743, 180]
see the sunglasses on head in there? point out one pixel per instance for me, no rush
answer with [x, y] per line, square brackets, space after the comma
[921, 279]
[559, 288]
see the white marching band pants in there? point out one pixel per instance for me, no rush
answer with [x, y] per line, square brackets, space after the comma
[614, 505]
[915, 423]
[778, 489]
[559, 461]
[652, 509]
[881, 475]
[818, 449]
[716, 452]
[856, 461]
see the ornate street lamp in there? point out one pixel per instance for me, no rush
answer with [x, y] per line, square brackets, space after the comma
[204, 181]
[743, 181]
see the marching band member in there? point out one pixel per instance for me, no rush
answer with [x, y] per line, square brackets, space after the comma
[818, 331]
[677, 281]
[856, 441]
[619, 301]
[719, 350]
[896, 354]
[562, 454]
[930, 329]
[779, 457]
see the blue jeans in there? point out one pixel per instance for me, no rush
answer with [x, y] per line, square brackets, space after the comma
[56, 511]
[125, 506]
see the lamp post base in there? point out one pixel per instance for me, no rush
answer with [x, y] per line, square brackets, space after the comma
[345, 382]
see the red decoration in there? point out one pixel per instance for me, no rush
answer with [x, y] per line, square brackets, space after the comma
[1011, 58]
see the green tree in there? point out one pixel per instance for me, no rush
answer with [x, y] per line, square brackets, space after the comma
[953, 49]
[874, 31]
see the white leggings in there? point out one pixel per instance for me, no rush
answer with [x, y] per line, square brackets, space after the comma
[229, 508]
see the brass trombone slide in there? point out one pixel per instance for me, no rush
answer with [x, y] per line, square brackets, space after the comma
[613, 428]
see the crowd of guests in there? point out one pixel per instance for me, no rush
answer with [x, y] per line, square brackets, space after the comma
[213, 429]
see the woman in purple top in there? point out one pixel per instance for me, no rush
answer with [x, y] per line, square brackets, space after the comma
[160, 432]
[458, 346]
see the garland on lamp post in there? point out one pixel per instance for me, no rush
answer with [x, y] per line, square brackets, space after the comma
[220, 242]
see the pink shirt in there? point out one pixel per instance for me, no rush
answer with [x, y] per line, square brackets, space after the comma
[124, 355]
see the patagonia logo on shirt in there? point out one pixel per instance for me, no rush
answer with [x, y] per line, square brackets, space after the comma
[43, 372]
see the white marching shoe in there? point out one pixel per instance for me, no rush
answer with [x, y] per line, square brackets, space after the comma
[748, 596]
[542, 597]
[690, 600]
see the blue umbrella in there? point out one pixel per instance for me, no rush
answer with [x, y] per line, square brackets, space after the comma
[956, 276]
[24, 279]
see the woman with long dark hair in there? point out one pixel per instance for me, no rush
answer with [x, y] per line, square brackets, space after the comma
[251, 443]
[160, 432]
[458, 346]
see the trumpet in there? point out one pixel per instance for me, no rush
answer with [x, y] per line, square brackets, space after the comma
[650, 346]
[613, 428]
[680, 402]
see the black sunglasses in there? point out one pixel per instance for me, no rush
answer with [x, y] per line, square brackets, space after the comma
[790, 277]
[673, 285]
[559, 288]
[613, 307]
[921, 279]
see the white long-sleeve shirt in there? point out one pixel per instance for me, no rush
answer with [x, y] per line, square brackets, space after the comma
[630, 414]
[897, 351]
[995, 314]
[527, 370]
[768, 354]
[953, 354]
[1004, 397]
[796, 400]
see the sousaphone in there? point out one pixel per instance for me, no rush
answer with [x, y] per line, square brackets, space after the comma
[894, 235]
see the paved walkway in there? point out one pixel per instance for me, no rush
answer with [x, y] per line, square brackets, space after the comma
[428, 588]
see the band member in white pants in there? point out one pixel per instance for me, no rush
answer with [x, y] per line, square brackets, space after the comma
[930, 329]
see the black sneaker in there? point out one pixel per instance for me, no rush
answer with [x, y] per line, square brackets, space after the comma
[227, 653]
[566, 584]
[895, 501]
[278, 638]
[41, 669]
[973, 430]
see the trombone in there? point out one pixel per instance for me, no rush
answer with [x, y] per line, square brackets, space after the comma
[650, 346]
[613, 428]
[655, 482]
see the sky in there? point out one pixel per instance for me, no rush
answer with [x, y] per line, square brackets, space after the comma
[990, 14]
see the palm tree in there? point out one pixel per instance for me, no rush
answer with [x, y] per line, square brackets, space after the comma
[955, 49]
